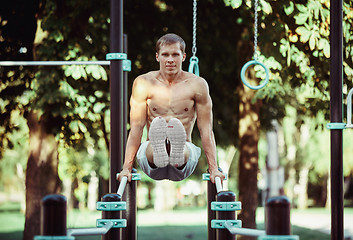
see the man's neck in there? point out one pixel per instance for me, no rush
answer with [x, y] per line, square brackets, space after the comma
[170, 78]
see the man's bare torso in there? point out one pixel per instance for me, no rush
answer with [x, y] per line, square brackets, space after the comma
[172, 100]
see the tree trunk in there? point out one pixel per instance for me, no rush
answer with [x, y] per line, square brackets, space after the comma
[249, 128]
[303, 187]
[41, 173]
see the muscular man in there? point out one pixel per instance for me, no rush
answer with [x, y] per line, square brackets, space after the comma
[169, 101]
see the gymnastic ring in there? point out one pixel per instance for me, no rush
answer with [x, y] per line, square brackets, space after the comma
[194, 66]
[245, 67]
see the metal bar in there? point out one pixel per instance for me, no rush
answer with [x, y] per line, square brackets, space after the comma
[218, 184]
[244, 231]
[125, 100]
[336, 108]
[52, 63]
[116, 92]
[130, 232]
[211, 197]
[90, 231]
[122, 186]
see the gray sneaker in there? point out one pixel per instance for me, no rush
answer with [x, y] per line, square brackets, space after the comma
[157, 136]
[177, 136]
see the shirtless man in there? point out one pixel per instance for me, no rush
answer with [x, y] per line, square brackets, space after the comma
[169, 101]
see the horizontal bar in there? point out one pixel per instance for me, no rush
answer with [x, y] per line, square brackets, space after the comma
[243, 231]
[90, 231]
[278, 237]
[52, 63]
[53, 238]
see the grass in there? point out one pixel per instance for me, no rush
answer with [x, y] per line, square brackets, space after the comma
[177, 225]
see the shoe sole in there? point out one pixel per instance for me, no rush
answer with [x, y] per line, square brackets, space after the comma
[157, 136]
[177, 136]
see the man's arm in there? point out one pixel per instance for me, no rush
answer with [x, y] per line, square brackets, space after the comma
[203, 104]
[138, 113]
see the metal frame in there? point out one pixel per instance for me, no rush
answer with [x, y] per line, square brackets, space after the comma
[52, 63]
[336, 108]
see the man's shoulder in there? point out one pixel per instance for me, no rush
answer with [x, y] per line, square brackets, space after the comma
[196, 80]
[149, 75]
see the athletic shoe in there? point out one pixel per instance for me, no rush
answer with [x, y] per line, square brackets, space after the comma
[177, 136]
[157, 136]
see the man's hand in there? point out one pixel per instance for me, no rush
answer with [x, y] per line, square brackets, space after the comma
[125, 173]
[216, 173]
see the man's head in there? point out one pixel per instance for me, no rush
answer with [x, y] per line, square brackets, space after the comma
[169, 39]
[170, 53]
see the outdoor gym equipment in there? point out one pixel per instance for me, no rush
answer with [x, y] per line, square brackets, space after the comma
[222, 213]
[194, 61]
[255, 61]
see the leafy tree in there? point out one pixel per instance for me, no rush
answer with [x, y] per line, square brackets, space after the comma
[58, 102]
[294, 43]
[71, 103]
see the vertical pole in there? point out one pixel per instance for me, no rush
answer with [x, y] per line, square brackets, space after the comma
[225, 196]
[336, 38]
[277, 216]
[130, 232]
[53, 216]
[116, 92]
[211, 197]
[114, 233]
[125, 99]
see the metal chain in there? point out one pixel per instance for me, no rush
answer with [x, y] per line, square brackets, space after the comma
[194, 29]
[256, 5]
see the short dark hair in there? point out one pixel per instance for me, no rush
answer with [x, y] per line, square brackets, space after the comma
[168, 39]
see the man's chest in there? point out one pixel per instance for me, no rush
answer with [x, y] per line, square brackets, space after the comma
[171, 100]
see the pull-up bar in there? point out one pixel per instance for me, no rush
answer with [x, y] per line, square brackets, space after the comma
[52, 63]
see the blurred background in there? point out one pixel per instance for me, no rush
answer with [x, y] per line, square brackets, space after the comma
[55, 120]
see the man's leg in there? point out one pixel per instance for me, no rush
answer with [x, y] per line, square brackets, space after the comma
[179, 153]
[157, 135]
[149, 155]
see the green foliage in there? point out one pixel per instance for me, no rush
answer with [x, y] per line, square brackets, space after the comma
[14, 159]
[293, 40]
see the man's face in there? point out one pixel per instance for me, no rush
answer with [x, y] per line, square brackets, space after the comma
[170, 58]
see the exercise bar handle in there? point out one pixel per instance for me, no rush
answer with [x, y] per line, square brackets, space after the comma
[91, 231]
[243, 231]
[218, 184]
[122, 186]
